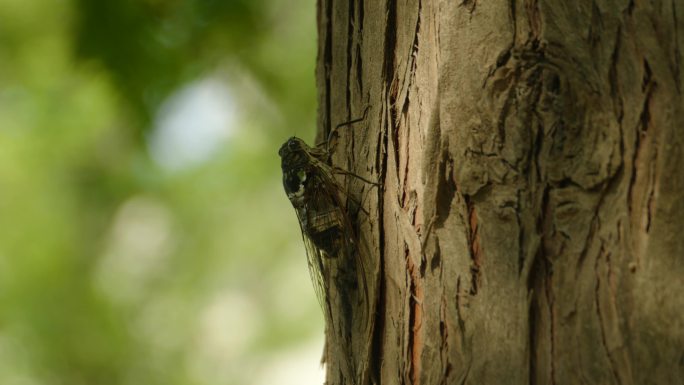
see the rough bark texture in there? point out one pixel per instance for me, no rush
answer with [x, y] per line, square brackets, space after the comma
[530, 152]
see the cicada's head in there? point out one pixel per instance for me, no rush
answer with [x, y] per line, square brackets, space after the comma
[291, 146]
[293, 154]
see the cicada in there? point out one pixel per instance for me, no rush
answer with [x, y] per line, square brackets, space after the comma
[317, 198]
[345, 282]
[340, 275]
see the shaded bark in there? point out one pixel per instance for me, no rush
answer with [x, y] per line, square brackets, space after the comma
[530, 153]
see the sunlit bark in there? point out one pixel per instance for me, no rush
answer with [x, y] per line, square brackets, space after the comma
[530, 155]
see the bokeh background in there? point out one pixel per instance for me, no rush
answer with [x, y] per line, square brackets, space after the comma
[144, 234]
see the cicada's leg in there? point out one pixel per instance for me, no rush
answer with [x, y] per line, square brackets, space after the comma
[333, 132]
[337, 170]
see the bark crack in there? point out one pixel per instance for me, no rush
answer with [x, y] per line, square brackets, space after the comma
[613, 75]
[596, 25]
[650, 202]
[501, 61]
[381, 317]
[459, 316]
[677, 51]
[521, 234]
[462, 334]
[550, 299]
[379, 324]
[359, 59]
[390, 42]
[648, 85]
[327, 60]
[473, 247]
[350, 41]
[512, 13]
[501, 121]
[415, 319]
[534, 19]
[602, 327]
[533, 317]
[444, 337]
[446, 189]
[469, 5]
[415, 47]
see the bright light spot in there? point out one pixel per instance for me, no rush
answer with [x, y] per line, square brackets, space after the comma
[295, 278]
[227, 325]
[15, 362]
[162, 323]
[297, 366]
[140, 238]
[193, 124]
[20, 380]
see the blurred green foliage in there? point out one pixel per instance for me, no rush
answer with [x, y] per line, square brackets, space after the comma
[115, 269]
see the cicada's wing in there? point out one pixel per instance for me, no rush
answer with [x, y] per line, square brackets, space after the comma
[327, 233]
[347, 246]
[317, 269]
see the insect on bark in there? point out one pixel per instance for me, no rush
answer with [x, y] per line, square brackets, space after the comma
[331, 246]
[314, 193]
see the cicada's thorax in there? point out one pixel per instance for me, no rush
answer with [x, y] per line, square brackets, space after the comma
[311, 190]
[298, 171]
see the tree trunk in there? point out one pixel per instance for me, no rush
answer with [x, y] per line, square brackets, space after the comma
[530, 155]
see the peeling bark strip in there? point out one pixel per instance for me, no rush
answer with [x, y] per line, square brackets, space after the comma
[531, 156]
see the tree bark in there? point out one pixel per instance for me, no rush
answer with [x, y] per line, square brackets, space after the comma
[528, 227]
